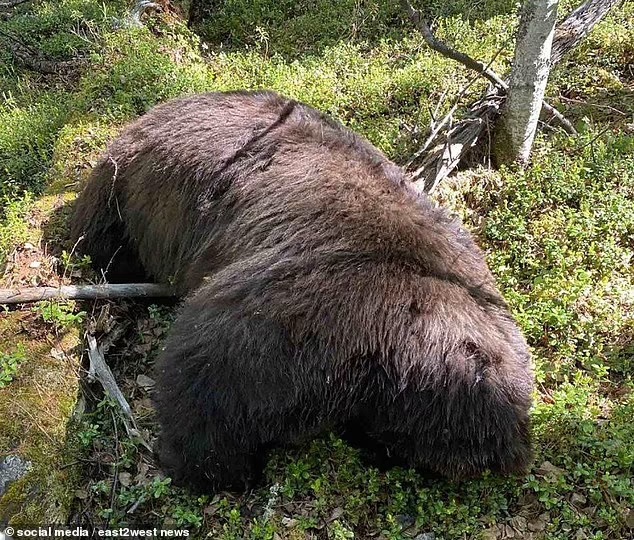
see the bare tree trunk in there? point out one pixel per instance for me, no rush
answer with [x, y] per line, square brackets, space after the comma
[527, 85]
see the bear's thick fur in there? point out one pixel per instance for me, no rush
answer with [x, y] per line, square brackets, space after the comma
[323, 293]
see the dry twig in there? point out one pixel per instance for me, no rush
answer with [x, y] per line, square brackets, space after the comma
[100, 372]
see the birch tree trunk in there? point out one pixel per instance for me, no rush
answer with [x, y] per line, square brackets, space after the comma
[527, 84]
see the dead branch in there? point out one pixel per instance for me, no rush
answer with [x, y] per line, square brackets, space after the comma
[548, 111]
[448, 51]
[578, 25]
[449, 148]
[86, 292]
[99, 371]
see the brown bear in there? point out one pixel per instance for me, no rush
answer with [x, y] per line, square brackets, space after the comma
[323, 292]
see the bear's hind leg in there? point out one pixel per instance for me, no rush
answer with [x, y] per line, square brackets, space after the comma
[228, 387]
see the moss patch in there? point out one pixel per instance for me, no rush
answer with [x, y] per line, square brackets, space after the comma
[35, 409]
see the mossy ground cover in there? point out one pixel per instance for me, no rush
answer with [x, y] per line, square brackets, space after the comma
[37, 402]
[559, 238]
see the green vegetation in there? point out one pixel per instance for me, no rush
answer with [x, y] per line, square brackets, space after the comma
[13, 227]
[58, 313]
[9, 363]
[558, 238]
[36, 408]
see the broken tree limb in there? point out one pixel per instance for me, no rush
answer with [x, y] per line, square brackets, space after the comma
[445, 154]
[548, 111]
[99, 371]
[86, 292]
[578, 25]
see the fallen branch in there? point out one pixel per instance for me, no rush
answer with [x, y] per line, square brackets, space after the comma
[99, 371]
[86, 292]
[445, 154]
[550, 111]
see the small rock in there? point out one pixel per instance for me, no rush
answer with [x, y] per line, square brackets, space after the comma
[629, 518]
[35, 264]
[81, 494]
[336, 514]
[145, 382]
[519, 523]
[581, 535]
[577, 499]
[539, 524]
[28, 246]
[548, 470]
[425, 536]
[11, 469]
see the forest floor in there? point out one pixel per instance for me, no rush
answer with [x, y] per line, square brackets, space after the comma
[559, 238]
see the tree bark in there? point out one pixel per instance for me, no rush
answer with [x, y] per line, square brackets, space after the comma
[527, 84]
[578, 25]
